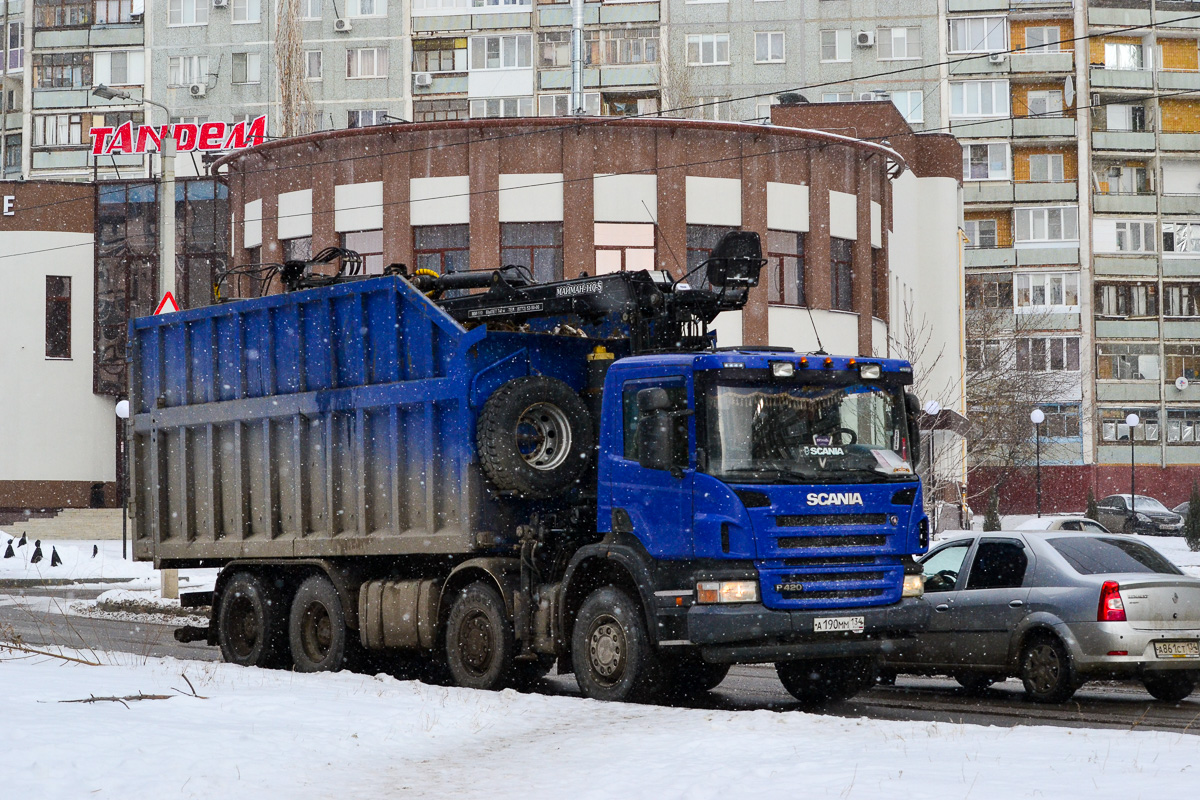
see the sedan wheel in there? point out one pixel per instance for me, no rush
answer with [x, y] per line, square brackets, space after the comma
[1046, 671]
[1170, 687]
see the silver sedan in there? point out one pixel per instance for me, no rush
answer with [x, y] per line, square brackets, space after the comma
[1056, 609]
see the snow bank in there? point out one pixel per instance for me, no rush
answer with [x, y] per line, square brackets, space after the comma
[79, 564]
[277, 734]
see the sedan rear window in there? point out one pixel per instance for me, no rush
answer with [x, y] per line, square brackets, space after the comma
[1095, 555]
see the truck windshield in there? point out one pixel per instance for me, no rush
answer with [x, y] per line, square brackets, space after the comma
[789, 433]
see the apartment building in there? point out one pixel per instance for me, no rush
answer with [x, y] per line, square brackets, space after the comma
[12, 86]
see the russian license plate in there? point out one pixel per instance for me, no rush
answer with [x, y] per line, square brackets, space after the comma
[1177, 649]
[839, 624]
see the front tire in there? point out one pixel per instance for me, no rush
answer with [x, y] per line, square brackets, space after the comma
[1170, 687]
[1046, 671]
[479, 639]
[611, 650]
[689, 676]
[822, 682]
[317, 627]
[252, 622]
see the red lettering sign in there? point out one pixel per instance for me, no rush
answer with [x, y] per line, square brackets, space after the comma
[209, 137]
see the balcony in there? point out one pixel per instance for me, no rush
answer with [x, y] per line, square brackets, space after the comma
[1029, 192]
[1041, 63]
[987, 192]
[444, 83]
[1169, 80]
[1051, 256]
[559, 15]
[1116, 203]
[1123, 140]
[1108, 264]
[1121, 78]
[1118, 17]
[1181, 329]
[1180, 204]
[1052, 127]
[1126, 328]
[989, 257]
[983, 64]
[1177, 142]
[1174, 267]
[1186, 20]
[982, 128]
[956, 6]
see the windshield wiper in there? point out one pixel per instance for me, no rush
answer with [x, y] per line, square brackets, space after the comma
[875, 475]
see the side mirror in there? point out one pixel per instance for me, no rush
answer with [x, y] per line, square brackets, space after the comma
[912, 408]
[651, 400]
[656, 441]
[736, 261]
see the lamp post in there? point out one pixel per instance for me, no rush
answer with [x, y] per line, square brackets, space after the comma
[1037, 417]
[1132, 421]
[122, 411]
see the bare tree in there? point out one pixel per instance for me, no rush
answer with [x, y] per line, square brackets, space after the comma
[296, 112]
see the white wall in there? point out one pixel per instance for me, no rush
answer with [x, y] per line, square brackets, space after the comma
[54, 428]
[790, 326]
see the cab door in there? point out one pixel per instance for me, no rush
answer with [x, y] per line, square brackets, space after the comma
[985, 613]
[656, 503]
[935, 645]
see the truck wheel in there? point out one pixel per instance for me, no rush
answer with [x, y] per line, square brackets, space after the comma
[479, 639]
[819, 683]
[1170, 687]
[251, 625]
[317, 627]
[534, 436]
[1046, 670]
[611, 651]
[688, 676]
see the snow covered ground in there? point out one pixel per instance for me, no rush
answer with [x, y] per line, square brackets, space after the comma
[255, 733]
[80, 565]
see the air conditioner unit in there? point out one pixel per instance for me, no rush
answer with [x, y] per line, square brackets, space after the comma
[342, 25]
[198, 89]
[220, 3]
[422, 79]
[997, 58]
[865, 38]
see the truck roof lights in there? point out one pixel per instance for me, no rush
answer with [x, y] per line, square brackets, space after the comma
[783, 369]
[828, 363]
[870, 372]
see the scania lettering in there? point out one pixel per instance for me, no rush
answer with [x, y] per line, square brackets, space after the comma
[493, 476]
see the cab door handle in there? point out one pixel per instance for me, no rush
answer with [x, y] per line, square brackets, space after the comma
[1016, 603]
[942, 607]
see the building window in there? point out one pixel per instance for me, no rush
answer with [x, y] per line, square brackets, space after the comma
[841, 264]
[898, 43]
[990, 291]
[1123, 179]
[981, 233]
[366, 8]
[365, 117]
[314, 64]
[62, 13]
[1181, 237]
[986, 162]
[554, 48]
[1183, 425]
[16, 46]
[62, 71]
[1135, 237]
[188, 12]
[911, 105]
[1043, 103]
[120, 68]
[1183, 361]
[768, 47]
[185, 70]
[701, 239]
[57, 130]
[978, 34]
[1127, 362]
[501, 52]
[534, 245]
[246, 10]
[113, 12]
[58, 317]
[1125, 56]
[1114, 429]
[624, 247]
[708, 48]
[983, 354]
[1042, 39]
[298, 249]
[440, 55]
[559, 105]
[310, 9]
[1052, 354]
[979, 99]
[639, 46]
[12, 154]
[246, 67]
[438, 110]
[1127, 300]
[835, 45]
[1046, 168]
[1125, 118]
[366, 62]
[1181, 299]
[837, 97]
[442, 248]
[1059, 224]
[494, 107]
[369, 245]
[785, 268]
[1062, 421]
[1056, 292]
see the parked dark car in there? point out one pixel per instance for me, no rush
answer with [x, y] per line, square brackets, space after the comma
[1056, 609]
[1063, 522]
[1141, 514]
[1182, 508]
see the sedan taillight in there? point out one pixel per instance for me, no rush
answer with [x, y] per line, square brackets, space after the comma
[1111, 609]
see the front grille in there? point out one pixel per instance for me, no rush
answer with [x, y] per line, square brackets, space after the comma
[826, 577]
[833, 594]
[825, 520]
[830, 561]
[862, 540]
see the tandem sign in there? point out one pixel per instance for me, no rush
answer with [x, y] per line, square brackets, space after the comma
[188, 136]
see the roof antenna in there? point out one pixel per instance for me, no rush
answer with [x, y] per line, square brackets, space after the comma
[820, 351]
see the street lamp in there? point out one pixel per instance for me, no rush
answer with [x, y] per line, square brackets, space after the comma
[1132, 421]
[1037, 417]
[122, 411]
[166, 217]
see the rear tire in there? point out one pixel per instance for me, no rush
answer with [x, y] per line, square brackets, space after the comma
[317, 627]
[1170, 687]
[1046, 671]
[252, 622]
[611, 650]
[819, 683]
[479, 639]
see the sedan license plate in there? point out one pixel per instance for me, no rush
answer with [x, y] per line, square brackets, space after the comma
[1177, 649]
[839, 624]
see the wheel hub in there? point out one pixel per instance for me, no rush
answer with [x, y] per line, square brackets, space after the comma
[606, 649]
[1043, 667]
[543, 436]
[476, 642]
[244, 628]
[318, 632]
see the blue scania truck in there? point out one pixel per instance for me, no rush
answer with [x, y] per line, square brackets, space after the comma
[489, 476]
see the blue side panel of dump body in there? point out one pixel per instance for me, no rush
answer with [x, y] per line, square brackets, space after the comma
[327, 422]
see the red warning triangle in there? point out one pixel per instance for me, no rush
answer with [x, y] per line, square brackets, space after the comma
[166, 305]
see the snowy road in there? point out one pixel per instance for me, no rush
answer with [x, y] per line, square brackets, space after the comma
[1115, 705]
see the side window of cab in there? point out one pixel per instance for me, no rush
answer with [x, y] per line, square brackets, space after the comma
[677, 391]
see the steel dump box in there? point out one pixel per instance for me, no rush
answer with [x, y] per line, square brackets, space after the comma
[328, 422]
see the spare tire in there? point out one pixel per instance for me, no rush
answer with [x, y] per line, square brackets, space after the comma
[534, 436]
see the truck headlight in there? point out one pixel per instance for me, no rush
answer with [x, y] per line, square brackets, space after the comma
[727, 592]
[914, 586]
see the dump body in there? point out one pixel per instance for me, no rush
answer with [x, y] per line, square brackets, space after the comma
[331, 422]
